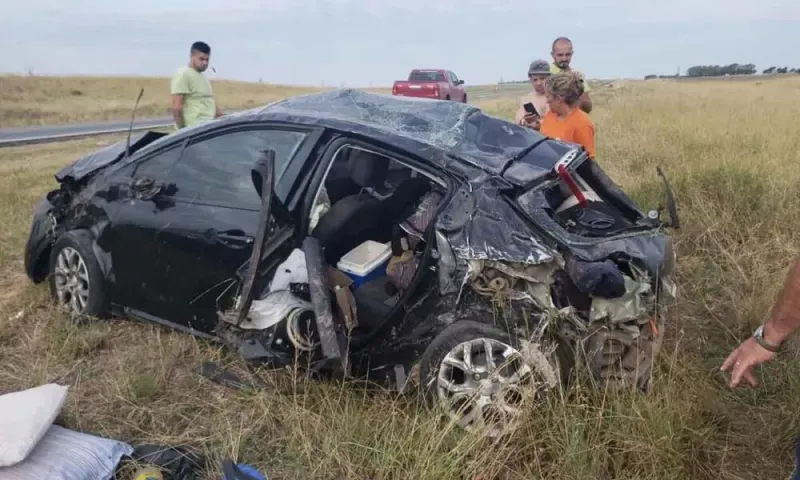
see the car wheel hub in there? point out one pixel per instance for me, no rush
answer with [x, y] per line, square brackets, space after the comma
[71, 280]
[480, 384]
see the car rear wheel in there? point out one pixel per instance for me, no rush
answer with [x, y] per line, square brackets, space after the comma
[618, 359]
[76, 283]
[479, 379]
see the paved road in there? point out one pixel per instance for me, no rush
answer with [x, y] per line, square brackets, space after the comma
[53, 133]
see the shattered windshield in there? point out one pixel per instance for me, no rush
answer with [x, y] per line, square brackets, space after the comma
[459, 129]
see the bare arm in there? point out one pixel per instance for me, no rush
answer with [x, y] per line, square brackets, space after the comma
[585, 103]
[783, 321]
[785, 317]
[177, 110]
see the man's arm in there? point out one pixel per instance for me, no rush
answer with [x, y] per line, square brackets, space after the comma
[785, 317]
[219, 111]
[179, 86]
[585, 103]
[177, 110]
[784, 320]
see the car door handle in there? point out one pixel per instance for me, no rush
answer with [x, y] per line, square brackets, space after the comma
[235, 236]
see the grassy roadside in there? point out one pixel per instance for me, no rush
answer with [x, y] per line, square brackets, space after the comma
[729, 150]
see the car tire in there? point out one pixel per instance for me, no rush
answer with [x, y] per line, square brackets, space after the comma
[492, 388]
[465, 98]
[77, 284]
[447, 98]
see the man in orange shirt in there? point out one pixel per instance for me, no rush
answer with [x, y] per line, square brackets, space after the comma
[565, 120]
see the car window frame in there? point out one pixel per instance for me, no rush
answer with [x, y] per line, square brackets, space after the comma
[317, 177]
[138, 158]
[255, 207]
[285, 183]
[250, 126]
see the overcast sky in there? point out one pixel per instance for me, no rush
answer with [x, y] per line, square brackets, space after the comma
[363, 42]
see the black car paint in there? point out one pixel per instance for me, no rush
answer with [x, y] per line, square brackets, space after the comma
[183, 264]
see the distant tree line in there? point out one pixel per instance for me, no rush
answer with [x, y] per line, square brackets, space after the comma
[725, 70]
[772, 70]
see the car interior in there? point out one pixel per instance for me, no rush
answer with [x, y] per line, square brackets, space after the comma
[369, 197]
[601, 209]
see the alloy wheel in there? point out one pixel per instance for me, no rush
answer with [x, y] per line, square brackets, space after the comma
[481, 384]
[71, 280]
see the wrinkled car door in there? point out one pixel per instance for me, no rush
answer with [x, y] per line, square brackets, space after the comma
[198, 229]
[201, 250]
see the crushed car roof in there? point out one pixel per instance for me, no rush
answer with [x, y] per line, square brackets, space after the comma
[449, 134]
[458, 129]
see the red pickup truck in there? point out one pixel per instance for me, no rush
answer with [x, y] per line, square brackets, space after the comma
[431, 83]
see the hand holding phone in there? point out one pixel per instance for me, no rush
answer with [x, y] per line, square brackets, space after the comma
[531, 109]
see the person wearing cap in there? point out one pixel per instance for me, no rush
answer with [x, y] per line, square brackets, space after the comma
[538, 72]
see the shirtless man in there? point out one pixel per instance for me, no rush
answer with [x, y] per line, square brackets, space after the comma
[538, 72]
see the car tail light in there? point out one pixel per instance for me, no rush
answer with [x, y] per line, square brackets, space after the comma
[566, 177]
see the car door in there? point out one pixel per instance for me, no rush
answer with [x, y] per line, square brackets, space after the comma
[456, 85]
[200, 252]
[133, 218]
[203, 222]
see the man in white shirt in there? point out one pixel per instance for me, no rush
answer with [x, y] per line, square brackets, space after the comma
[538, 72]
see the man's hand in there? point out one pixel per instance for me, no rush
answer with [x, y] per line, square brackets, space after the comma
[743, 359]
[531, 120]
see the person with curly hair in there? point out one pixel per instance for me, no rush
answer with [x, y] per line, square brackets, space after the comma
[565, 120]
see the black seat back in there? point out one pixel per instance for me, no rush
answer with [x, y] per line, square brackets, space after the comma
[350, 220]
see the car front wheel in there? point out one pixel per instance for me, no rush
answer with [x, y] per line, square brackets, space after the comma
[480, 381]
[76, 282]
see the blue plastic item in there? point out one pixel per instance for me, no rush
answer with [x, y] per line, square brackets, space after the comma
[240, 471]
[366, 262]
[358, 280]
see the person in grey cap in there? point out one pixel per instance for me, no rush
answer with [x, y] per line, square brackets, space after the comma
[538, 72]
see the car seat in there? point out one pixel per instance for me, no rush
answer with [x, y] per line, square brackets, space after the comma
[351, 220]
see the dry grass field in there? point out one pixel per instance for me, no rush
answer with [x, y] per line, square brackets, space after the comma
[41, 100]
[45, 100]
[730, 150]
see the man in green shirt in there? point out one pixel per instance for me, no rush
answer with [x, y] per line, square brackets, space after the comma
[192, 98]
[562, 56]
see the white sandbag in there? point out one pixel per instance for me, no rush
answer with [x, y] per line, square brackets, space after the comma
[25, 417]
[64, 454]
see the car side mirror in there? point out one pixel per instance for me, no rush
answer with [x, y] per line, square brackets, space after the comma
[461, 82]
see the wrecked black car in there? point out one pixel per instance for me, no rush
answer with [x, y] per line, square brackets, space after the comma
[415, 242]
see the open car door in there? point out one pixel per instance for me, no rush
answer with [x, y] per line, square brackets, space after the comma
[269, 251]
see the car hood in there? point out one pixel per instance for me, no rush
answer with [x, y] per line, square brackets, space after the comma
[104, 157]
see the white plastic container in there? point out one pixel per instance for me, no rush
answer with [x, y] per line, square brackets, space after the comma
[365, 262]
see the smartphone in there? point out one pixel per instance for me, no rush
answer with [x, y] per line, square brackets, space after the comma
[530, 108]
